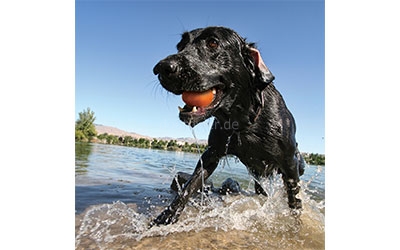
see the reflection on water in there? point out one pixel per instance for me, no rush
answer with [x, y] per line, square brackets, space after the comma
[82, 152]
[123, 188]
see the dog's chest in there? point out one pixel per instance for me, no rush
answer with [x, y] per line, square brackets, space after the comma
[250, 149]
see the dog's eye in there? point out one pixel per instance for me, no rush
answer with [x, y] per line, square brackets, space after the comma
[212, 43]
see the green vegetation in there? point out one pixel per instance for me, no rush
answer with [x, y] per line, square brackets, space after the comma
[171, 145]
[84, 126]
[314, 159]
[86, 131]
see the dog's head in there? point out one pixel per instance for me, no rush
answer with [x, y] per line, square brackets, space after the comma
[216, 71]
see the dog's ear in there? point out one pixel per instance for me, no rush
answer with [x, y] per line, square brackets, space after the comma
[262, 73]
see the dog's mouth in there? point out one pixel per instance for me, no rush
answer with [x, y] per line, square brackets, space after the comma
[199, 105]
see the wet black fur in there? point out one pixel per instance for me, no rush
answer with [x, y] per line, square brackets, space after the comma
[252, 120]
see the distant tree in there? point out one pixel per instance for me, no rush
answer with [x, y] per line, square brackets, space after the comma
[79, 136]
[112, 139]
[128, 141]
[102, 136]
[84, 126]
[314, 159]
[158, 144]
[142, 143]
[172, 145]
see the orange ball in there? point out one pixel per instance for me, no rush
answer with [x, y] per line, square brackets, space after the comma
[198, 99]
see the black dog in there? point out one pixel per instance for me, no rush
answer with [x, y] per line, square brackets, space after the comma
[251, 117]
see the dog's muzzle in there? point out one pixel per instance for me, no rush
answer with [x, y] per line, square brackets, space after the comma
[200, 101]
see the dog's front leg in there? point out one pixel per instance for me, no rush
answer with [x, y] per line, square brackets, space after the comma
[292, 182]
[207, 164]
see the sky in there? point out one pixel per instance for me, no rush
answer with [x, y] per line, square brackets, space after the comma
[117, 44]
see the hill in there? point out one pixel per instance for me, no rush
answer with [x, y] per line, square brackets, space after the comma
[101, 129]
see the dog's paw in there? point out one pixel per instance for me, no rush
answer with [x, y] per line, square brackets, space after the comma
[295, 203]
[296, 212]
[295, 206]
[168, 216]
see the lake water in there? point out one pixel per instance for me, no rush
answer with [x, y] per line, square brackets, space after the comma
[119, 190]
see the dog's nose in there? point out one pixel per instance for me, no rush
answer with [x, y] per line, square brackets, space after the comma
[166, 68]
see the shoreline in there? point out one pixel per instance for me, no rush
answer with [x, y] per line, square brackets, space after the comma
[175, 145]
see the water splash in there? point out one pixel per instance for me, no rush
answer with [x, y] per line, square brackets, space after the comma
[211, 221]
[201, 163]
[268, 222]
[103, 224]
